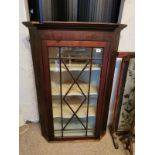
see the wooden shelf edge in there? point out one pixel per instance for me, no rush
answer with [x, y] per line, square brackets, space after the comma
[76, 25]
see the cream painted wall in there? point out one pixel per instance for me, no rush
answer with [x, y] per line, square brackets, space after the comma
[27, 92]
[127, 16]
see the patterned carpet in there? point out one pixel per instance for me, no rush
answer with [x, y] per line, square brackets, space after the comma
[32, 143]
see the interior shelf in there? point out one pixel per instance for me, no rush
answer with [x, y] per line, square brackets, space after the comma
[74, 133]
[74, 124]
[74, 90]
[67, 113]
[73, 67]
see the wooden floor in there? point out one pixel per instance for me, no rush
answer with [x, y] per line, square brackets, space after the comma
[32, 143]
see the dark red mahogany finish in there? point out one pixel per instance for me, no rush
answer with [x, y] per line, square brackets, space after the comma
[81, 34]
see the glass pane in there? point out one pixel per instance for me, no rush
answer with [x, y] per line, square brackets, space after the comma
[94, 86]
[54, 64]
[97, 53]
[75, 52]
[97, 56]
[75, 78]
[53, 52]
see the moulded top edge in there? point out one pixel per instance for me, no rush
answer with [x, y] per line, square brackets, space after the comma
[75, 25]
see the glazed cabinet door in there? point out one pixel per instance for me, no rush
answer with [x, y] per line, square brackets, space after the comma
[74, 75]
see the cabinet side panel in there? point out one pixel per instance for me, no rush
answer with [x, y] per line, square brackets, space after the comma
[109, 79]
[102, 94]
[39, 78]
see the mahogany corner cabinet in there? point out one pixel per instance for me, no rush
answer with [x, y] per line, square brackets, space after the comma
[74, 65]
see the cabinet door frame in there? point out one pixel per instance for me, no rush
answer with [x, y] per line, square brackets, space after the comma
[102, 84]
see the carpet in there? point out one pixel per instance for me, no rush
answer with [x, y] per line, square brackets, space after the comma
[31, 142]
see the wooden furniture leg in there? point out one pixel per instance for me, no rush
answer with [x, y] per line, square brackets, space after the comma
[114, 138]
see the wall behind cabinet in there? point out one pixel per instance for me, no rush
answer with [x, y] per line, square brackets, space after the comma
[127, 16]
[27, 92]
